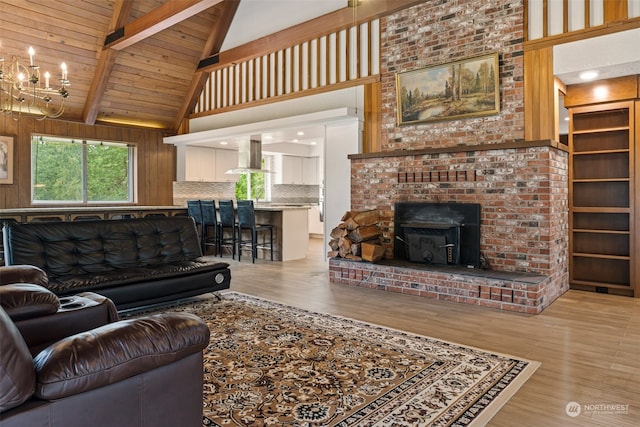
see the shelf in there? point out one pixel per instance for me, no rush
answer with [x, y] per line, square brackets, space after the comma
[601, 185]
[612, 151]
[600, 284]
[602, 180]
[600, 231]
[601, 256]
[600, 130]
[602, 210]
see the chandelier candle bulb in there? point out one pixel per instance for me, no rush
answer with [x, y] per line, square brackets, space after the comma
[22, 90]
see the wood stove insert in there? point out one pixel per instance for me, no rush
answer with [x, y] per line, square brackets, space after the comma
[437, 233]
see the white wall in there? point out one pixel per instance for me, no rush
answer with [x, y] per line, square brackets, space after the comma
[341, 140]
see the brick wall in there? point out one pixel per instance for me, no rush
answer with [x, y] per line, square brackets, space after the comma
[521, 186]
[437, 32]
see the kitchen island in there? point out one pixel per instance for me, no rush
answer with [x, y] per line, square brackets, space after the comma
[291, 229]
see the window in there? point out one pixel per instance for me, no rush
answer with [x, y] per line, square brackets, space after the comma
[80, 171]
[255, 185]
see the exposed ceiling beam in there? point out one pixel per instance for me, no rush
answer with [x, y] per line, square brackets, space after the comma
[214, 43]
[161, 18]
[314, 28]
[121, 12]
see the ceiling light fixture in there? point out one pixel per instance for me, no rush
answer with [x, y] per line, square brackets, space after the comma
[300, 133]
[23, 91]
[588, 75]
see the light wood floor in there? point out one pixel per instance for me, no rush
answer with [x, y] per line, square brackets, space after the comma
[588, 344]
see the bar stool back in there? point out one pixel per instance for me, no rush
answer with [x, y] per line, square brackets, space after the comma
[227, 221]
[194, 210]
[210, 226]
[247, 221]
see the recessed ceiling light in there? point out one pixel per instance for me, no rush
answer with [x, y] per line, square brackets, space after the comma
[268, 137]
[300, 133]
[588, 75]
[295, 140]
[313, 143]
[223, 142]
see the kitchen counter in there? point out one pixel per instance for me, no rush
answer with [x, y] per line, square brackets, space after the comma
[291, 229]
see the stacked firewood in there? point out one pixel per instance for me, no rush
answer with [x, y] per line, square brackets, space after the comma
[357, 237]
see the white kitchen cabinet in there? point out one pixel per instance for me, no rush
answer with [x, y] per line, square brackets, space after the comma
[297, 170]
[225, 160]
[291, 170]
[310, 171]
[200, 164]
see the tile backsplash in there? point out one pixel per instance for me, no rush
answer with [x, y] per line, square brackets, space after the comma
[289, 193]
[194, 190]
[280, 193]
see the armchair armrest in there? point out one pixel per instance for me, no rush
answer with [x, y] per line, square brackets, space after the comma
[23, 274]
[116, 351]
[26, 300]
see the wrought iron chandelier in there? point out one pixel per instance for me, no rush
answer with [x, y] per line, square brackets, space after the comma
[23, 91]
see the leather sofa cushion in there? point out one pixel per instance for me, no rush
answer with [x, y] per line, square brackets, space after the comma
[115, 352]
[69, 284]
[23, 274]
[17, 376]
[25, 300]
[94, 247]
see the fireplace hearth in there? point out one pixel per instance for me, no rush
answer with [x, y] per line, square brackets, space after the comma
[437, 233]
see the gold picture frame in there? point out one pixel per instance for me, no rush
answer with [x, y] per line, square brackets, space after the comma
[6, 159]
[466, 88]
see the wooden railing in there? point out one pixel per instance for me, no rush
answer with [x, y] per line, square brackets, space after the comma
[343, 58]
[550, 18]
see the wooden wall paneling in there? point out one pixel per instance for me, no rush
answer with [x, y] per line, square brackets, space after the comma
[372, 118]
[615, 89]
[539, 95]
[156, 160]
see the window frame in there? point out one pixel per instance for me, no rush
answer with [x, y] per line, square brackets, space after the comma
[131, 171]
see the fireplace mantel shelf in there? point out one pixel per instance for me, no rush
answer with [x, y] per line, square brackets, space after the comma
[462, 148]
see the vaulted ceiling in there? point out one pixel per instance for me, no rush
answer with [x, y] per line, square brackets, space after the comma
[129, 61]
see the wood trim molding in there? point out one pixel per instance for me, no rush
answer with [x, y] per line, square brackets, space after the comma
[515, 145]
[312, 29]
[160, 18]
[213, 45]
[539, 95]
[121, 12]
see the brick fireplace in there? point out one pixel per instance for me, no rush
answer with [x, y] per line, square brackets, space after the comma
[521, 186]
[522, 192]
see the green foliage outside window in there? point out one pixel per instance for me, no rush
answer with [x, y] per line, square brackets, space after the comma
[60, 172]
[253, 191]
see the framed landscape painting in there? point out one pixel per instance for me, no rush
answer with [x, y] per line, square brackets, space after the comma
[466, 88]
[6, 160]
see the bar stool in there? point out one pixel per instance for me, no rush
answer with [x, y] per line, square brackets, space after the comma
[227, 221]
[247, 221]
[210, 226]
[194, 210]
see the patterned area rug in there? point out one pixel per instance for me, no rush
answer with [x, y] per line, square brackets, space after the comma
[272, 364]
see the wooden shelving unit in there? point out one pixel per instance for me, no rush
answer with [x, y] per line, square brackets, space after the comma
[601, 197]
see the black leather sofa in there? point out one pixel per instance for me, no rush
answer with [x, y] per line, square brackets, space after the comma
[139, 372]
[133, 262]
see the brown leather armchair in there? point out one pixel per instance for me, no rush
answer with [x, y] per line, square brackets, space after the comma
[139, 372]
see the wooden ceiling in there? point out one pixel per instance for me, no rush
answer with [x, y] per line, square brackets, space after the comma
[135, 62]
[143, 78]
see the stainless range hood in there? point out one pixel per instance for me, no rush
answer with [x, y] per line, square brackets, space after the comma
[249, 156]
